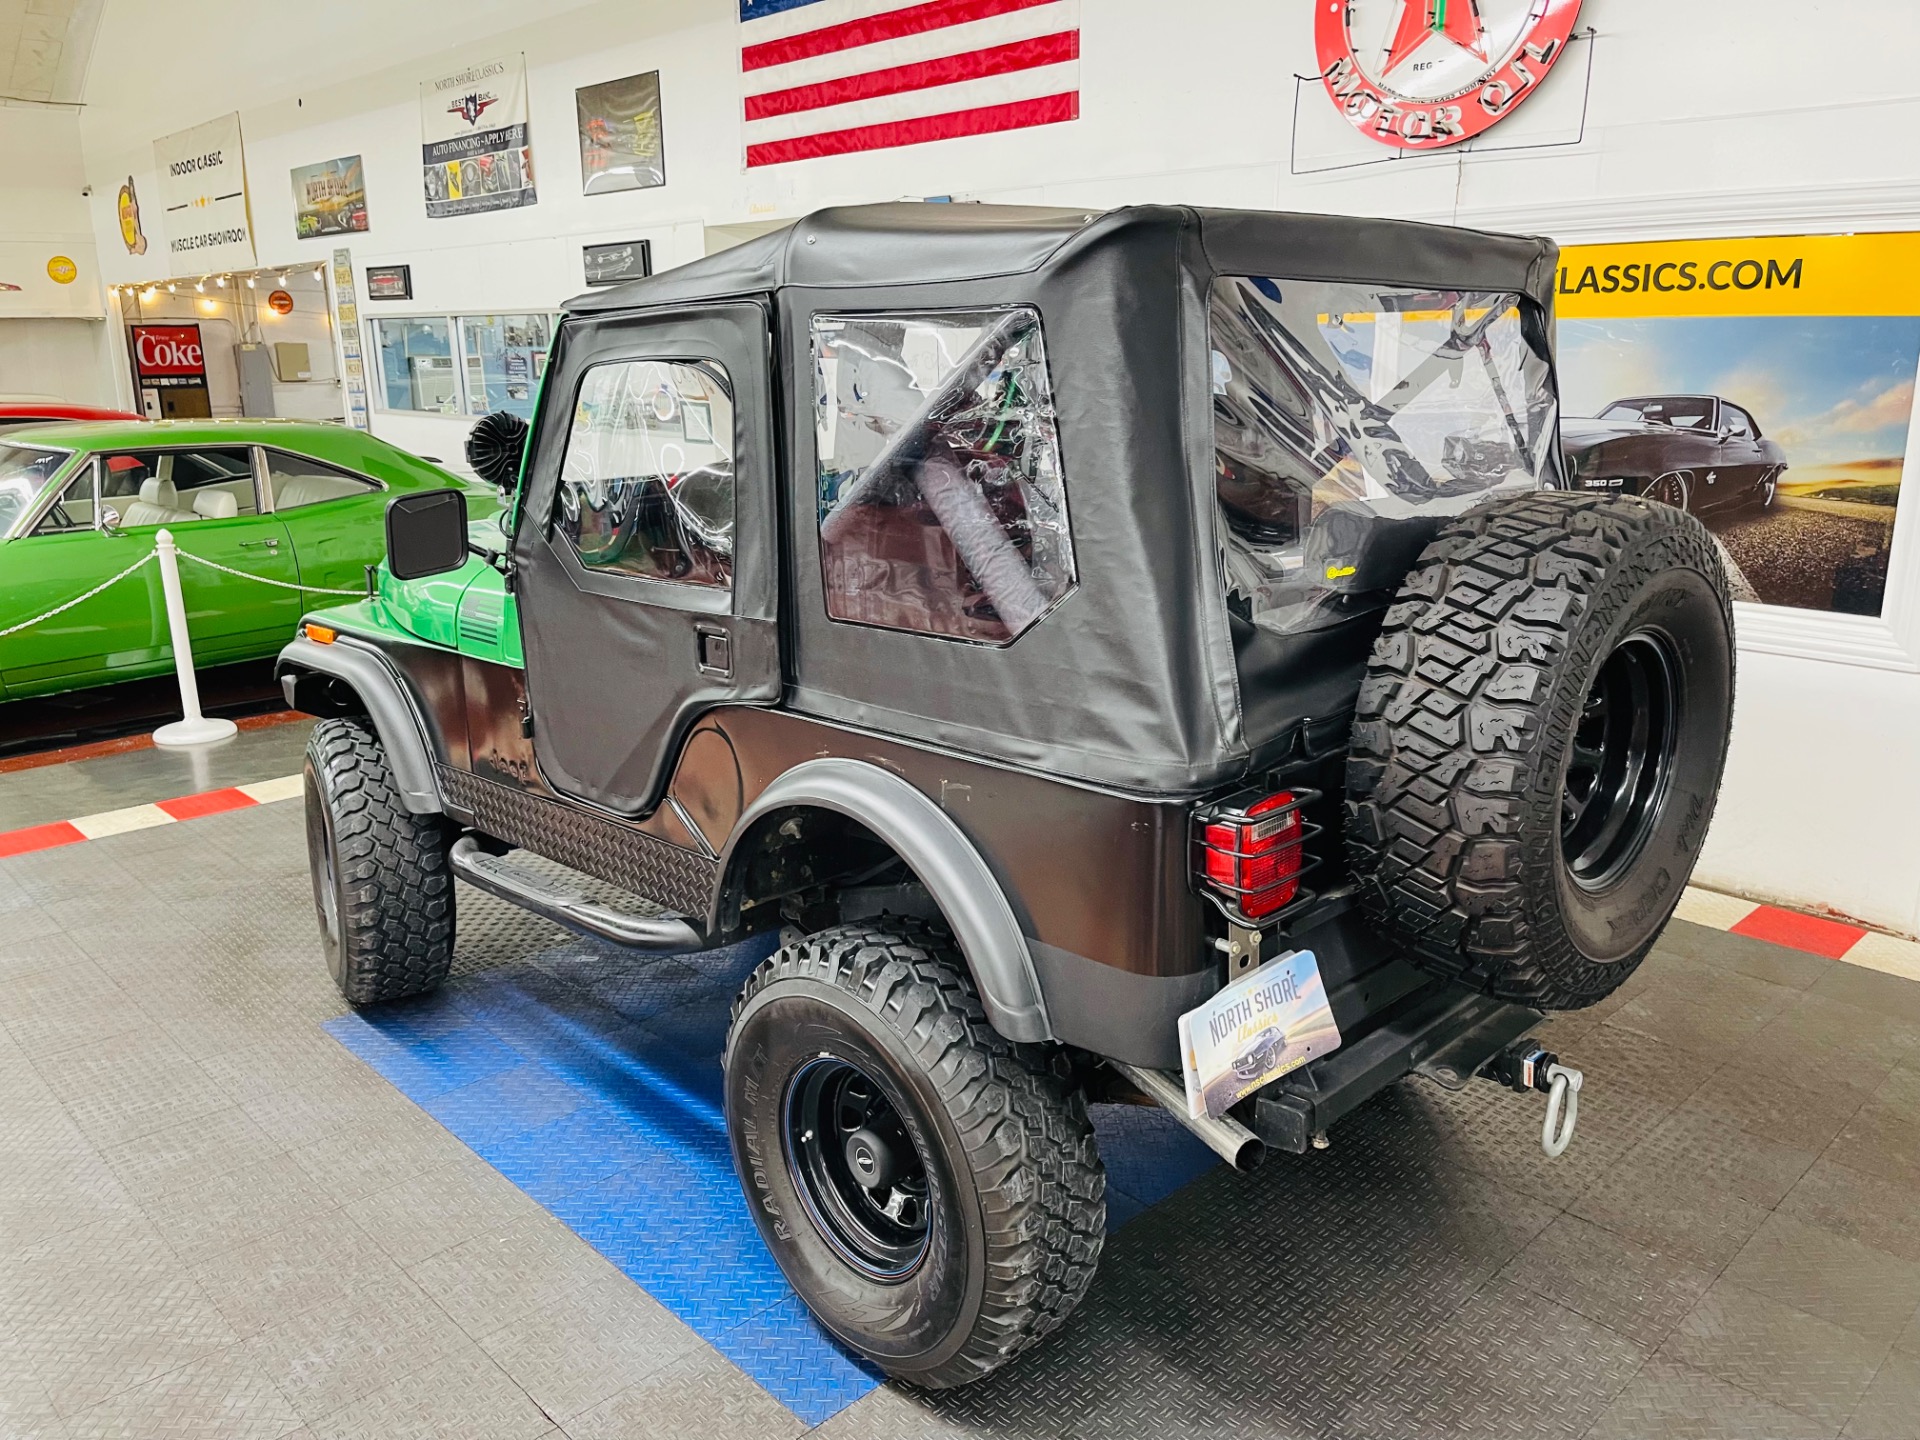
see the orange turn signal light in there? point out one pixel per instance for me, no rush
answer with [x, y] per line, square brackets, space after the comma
[320, 634]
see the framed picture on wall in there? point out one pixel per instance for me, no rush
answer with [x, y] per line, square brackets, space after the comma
[389, 282]
[621, 147]
[623, 260]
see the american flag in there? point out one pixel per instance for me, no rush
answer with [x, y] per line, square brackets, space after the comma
[830, 77]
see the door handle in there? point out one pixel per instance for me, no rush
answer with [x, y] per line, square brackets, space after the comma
[269, 542]
[715, 652]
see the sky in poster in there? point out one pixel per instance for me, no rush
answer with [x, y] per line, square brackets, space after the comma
[1831, 390]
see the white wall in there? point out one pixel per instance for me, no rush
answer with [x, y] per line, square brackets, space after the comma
[1710, 117]
[52, 339]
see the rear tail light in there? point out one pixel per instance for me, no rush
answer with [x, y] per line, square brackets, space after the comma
[1252, 851]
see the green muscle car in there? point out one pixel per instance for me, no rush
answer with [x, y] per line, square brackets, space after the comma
[296, 502]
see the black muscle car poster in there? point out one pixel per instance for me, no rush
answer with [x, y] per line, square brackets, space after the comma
[1767, 385]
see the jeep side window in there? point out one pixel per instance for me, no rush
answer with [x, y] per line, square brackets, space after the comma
[942, 504]
[646, 487]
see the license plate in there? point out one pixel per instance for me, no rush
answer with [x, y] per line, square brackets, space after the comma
[1254, 1031]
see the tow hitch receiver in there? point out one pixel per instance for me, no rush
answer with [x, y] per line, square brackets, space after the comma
[1527, 1065]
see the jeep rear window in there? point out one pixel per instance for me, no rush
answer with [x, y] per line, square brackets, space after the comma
[1335, 405]
[941, 502]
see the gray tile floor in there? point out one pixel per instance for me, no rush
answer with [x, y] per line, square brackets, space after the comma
[214, 1221]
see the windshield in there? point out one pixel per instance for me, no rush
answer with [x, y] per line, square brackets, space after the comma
[23, 475]
[1683, 412]
[1339, 406]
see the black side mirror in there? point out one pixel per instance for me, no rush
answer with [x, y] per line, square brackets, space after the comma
[426, 534]
[494, 447]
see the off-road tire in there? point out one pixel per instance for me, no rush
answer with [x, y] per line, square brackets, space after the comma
[381, 884]
[1465, 724]
[1018, 1215]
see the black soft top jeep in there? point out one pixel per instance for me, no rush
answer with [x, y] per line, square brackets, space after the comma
[1042, 618]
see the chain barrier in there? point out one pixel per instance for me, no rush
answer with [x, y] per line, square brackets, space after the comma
[78, 599]
[282, 584]
[184, 555]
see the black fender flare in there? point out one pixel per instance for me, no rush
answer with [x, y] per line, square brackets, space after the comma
[944, 860]
[391, 709]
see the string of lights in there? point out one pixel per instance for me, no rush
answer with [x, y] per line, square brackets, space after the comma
[149, 290]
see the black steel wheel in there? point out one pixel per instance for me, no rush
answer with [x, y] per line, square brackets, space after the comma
[1620, 763]
[859, 1173]
[931, 1190]
[1539, 740]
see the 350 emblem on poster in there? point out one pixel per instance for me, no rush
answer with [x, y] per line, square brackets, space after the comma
[1423, 74]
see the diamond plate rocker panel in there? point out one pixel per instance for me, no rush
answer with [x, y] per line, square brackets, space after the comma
[679, 880]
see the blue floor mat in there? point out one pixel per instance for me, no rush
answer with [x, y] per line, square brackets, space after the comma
[592, 1081]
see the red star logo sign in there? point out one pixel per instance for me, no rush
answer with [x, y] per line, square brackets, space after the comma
[1458, 20]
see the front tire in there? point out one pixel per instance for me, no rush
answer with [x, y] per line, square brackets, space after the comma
[955, 1214]
[381, 883]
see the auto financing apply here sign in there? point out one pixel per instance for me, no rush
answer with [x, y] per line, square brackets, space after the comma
[1781, 275]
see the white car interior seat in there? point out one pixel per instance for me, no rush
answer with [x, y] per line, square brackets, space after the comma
[215, 504]
[159, 504]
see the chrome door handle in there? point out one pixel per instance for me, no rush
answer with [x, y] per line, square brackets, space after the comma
[270, 543]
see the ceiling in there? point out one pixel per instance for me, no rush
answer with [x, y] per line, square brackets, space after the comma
[44, 49]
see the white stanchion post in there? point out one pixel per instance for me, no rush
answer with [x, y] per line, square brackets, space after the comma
[195, 728]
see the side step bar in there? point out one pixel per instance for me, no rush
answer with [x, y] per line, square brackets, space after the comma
[654, 934]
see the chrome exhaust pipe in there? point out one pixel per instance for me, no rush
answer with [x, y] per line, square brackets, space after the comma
[1225, 1136]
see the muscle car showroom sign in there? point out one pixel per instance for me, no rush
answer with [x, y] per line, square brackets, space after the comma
[1764, 384]
[1425, 74]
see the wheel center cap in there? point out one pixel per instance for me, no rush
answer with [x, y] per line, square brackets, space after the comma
[870, 1159]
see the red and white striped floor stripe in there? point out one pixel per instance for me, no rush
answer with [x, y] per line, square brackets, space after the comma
[1814, 934]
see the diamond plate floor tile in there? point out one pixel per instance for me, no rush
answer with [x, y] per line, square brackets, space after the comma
[1871, 990]
[698, 1394]
[1811, 1033]
[1639, 1292]
[495, 1279]
[222, 1397]
[172, 1159]
[1781, 1354]
[27, 1411]
[104, 1308]
[1842, 1281]
[1890, 1410]
[50, 1010]
[230, 1209]
[1666, 1401]
[323, 1259]
[338, 1352]
[1507, 1351]
[1677, 1212]
[1802, 1110]
[1861, 1207]
[587, 1346]
[440, 1208]
[131, 1085]
[1879, 1141]
[363, 1157]
[1705, 1146]
[1726, 951]
[464, 1397]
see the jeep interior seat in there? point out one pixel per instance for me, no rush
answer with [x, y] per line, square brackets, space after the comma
[297, 490]
[159, 504]
[215, 504]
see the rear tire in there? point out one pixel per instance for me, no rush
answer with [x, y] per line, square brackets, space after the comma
[1539, 742]
[984, 1229]
[381, 884]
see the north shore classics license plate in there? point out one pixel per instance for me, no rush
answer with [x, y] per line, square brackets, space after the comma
[1254, 1031]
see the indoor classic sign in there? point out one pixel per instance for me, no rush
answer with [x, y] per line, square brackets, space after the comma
[203, 191]
[1423, 74]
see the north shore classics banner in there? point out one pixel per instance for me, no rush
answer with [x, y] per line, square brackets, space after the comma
[475, 155]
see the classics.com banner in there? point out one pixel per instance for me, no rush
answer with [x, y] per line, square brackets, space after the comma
[1766, 384]
[203, 192]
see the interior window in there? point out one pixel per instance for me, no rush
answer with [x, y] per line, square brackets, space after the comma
[74, 510]
[295, 480]
[646, 487]
[175, 487]
[416, 365]
[942, 505]
[506, 356]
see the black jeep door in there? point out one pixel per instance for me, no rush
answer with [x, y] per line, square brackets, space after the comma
[644, 545]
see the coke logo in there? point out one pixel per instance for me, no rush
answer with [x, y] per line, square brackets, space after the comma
[168, 350]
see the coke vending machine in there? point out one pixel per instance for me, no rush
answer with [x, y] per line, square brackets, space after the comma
[170, 371]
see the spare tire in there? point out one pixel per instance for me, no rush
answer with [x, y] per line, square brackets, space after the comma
[1538, 742]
